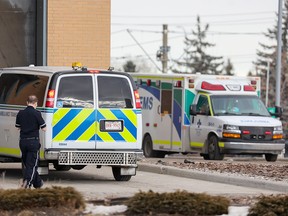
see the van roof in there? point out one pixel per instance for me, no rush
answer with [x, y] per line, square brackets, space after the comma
[56, 69]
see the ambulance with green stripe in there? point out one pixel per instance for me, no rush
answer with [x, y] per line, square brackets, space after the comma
[209, 114]
[93, 117]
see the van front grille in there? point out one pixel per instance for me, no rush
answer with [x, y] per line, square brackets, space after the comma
[97, 158]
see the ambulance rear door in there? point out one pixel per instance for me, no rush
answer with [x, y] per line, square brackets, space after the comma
[74, 115]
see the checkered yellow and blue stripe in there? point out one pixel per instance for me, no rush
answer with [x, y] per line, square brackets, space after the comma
[83, 125]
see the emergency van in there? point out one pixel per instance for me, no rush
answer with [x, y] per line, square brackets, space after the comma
[93, 117]
[210, 114]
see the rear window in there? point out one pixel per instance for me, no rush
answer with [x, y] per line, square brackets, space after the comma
[75, 91]
[114, 92]
[15, 88]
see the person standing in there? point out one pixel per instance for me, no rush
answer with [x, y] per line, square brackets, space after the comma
[29, 121]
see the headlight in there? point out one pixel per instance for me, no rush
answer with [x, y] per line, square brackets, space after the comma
[278, 128]
[230, 127]
[231, 131]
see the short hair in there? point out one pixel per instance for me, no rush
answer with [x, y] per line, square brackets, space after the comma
[32, 99]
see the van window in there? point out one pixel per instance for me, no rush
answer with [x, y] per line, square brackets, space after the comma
[114, 92]
[75, 91]
[15, 88]
[202, 105]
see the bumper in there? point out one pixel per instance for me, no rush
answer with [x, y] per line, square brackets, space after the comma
[109, 158]
[252, 148]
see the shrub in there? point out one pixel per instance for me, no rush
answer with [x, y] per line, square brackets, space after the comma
[276, 205]
[179, 202]
[14, 199]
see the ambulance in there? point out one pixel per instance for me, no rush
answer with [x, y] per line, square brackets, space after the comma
[213, 115]
[93, 117]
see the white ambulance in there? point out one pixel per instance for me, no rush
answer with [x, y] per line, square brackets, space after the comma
[209, 114]
[93, 117]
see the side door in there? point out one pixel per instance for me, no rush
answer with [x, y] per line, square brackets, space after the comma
[73, 123]
[200, 122]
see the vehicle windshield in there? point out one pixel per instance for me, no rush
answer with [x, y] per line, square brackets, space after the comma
[245, 105]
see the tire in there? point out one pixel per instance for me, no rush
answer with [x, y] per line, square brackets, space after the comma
[206, 157]
[271, 157]
[78, 167]
[61, 167]
[213, 149]
[118, 177]
[147, 147]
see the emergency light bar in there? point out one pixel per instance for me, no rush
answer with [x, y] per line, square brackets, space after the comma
[213, 87]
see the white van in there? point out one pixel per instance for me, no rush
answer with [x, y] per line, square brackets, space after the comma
[210, 114]
[93, 117]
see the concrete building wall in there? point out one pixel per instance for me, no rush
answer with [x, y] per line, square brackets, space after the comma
[78, 30]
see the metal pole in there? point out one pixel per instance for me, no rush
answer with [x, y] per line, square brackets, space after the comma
[279, 54]
[267, 83]
[165, 49]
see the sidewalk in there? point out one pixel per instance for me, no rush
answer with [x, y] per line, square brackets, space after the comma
[215, 177]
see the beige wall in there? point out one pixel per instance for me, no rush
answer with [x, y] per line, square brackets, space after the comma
[78, 30]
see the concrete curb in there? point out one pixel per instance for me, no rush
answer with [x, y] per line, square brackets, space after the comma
[214, 177]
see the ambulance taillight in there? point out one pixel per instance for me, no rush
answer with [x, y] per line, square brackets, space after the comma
[137, 99]
[50, 98]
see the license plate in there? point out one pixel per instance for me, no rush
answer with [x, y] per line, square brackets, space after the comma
[111, 125]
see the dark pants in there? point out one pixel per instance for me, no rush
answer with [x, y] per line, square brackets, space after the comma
[30, 159]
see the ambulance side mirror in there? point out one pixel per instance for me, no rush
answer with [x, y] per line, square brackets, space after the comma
[193, 110]
[278, 112]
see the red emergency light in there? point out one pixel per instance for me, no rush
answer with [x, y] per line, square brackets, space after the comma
[249, 88]
[213, 87]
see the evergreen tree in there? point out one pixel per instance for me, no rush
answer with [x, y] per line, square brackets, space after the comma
[129, 66]
[228, 68]
[268, 53]
[196, 59]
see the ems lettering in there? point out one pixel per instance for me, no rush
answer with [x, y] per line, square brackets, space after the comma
[146, 102]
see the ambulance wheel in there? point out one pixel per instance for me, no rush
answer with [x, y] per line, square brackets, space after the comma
[213, 149]
[61, 167]
[271, 157]
[78, 167]
[117, 174]
[148, 147]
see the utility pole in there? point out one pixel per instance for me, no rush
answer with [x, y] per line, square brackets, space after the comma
[162, 53]
[165, 49]
[279, 54]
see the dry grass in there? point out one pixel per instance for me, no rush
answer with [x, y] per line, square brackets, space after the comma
[276, 205]
[177, 203]
[23, 200]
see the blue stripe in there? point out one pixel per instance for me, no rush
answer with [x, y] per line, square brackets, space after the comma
[82, 127]
[64, 121]
[127, 123]
[116, 136]
[154, 91]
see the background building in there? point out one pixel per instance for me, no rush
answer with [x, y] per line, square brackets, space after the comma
[55, 32]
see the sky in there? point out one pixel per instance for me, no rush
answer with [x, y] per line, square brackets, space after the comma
[236, 27]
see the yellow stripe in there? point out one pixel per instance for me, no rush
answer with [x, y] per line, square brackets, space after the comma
[11, 151]
[127, 135]
[58, 115]
[166, 142]
[196, 144]
[131, 116]
[86, 136]
[70, 128]
[17, 152]
[108, 114]
[221, 144]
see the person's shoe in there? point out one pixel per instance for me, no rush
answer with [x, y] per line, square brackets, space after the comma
[24, 184]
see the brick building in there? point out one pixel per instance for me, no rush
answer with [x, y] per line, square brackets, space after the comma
[55, 32]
